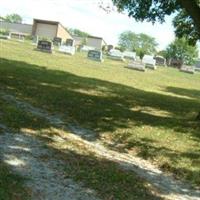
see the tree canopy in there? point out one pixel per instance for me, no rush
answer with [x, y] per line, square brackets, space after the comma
[156, 10]
[13, 18]
[141, 43]
[180, 49]
[78, 32]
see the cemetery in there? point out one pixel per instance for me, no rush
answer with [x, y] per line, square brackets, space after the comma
[119, 100]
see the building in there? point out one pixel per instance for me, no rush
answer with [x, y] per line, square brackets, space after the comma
[78, 40]
[96, 42]
[23, 29]
[50, 29]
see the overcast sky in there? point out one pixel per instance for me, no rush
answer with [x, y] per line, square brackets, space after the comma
[87, 16]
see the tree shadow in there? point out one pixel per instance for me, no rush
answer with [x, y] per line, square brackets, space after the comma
[191, 93]
[101, 106]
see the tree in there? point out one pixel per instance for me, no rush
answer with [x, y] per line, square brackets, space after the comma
[77, 32]
[141, 43]
[181, 50]
[185, 27]
[13, 18]
[156, 10]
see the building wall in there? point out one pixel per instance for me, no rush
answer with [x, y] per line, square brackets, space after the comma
[46, 30]
[94, 42]
[16, 27]
[62, 33]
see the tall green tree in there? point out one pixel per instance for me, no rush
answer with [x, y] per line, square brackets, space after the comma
[141, 43]
[13, 18]
[156, 10]
[182, 50]
[78, 32]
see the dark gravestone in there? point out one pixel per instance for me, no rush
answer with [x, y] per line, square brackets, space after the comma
[177, 63]
[70, 42]
[160, 60]
[57, 41]
[95, 55]
[45, 46]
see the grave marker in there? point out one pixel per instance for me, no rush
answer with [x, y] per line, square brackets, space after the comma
[67, 49]
[149, 62]
[130, 55]
[160, 61]
[57, 41]
[70, 42]
[95, 55]
[187, 69]
[136, 65]
[44, 46]
[116, 55]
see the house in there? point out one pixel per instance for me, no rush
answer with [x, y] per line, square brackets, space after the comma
[50, 29]
[96, 42]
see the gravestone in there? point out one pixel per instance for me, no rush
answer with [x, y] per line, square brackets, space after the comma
[95, 55]
[187, 69]
[149, 62]
[57, 41]
[130, 55]
[87, 48]
[174, 62]
[116, 55]
[17, 36]
[136, 65]
[44, 46]
[5, 37]
[160, 61]
[70, 42]
[67, 49]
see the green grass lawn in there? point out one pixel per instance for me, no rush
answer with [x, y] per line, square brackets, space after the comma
[149, 114]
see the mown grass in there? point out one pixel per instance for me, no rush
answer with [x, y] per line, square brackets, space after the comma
[11, 185]
[148, 114]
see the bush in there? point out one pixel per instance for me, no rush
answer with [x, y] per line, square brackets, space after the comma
[4, 32]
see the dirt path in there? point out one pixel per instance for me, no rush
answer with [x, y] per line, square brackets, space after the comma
[46, 179]
[168, 187]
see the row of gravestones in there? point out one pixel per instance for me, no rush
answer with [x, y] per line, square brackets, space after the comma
[97, 55]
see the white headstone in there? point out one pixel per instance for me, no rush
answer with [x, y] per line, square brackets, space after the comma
[187, 69]
[149, 61]
[67, 49]
[130, 55]
[116, 55]
[136, 65]
[87, 48]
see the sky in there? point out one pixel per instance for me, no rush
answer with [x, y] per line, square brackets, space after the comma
[87, 16]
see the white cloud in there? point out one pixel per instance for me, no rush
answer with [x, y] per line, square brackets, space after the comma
[87, 16]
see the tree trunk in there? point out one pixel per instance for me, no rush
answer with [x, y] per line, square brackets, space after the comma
[193, 9]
